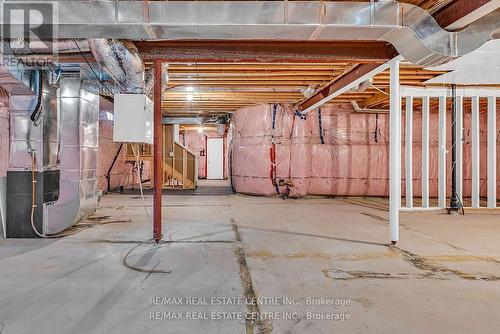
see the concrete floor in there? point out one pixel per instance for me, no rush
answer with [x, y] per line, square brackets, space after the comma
[443, 277]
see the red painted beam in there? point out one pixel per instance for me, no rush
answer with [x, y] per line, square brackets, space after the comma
[355, 73]
[257, 51]
[456, 10]
[158, 153]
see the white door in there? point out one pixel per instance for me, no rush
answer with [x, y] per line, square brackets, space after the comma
[215, 158]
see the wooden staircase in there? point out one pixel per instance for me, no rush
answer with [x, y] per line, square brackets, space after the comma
[181, 169]
[180, 165]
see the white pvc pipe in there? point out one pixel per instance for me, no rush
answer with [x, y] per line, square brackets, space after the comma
[492, 153]
[459, 142]
[394, 151]
[408, 152]
[475, 152]
[442, 153]
[425, 152]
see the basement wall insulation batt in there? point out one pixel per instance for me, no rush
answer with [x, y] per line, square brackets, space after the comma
[353, 161]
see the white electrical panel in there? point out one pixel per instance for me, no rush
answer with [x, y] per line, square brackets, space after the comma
[133, 118]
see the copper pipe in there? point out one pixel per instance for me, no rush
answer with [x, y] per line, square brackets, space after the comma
[158, 153]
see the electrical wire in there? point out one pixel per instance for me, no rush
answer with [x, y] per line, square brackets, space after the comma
[140, 269]
[136, 155]
[129, 252]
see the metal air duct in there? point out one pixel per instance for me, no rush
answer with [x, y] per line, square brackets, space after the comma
[411, 29]
[20, 47]
[79, 103]
[121, 60]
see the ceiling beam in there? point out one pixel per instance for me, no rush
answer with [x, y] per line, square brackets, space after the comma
[257, 51]
[355, 73]
[343, 84]
[459, 13]
[374, 100]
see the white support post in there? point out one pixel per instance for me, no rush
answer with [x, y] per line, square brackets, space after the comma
[408, 151]
[394, 151]
[492, 152]
[425, 152]
[459, 142]
[442, 153]
[475, 152]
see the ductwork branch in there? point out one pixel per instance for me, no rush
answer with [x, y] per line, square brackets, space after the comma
[121, 60]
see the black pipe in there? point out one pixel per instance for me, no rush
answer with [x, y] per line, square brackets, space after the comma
[108, 175]
[35, 115]
[455, 203]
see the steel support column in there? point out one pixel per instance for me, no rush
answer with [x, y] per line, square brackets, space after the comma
[394, 151]
[455, 202]
[158, 153]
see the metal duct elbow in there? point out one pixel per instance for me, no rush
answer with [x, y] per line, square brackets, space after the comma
[121, 60]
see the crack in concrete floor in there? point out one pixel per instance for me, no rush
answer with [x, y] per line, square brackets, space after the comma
[258, 326]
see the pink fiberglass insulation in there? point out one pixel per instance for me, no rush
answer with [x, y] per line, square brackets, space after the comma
[4, 132]
[107, 152]
[253, 137]
[353, 159]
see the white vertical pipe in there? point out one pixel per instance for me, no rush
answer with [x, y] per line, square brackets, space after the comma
[442, 153]
[425, 152]
[492, 152]
[408, 151]
[475, 152]
[459, 142]
[394, 151]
